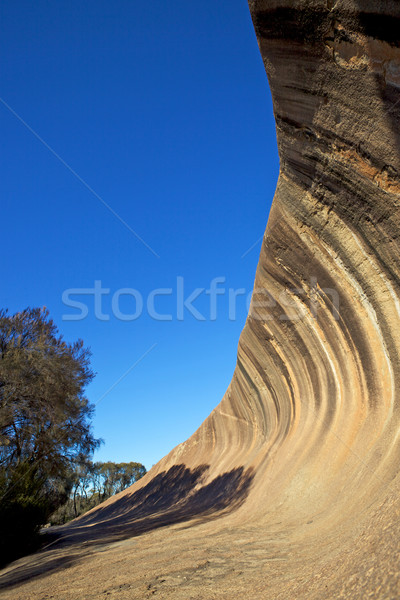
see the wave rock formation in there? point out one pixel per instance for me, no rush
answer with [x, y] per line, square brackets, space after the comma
[299, 462]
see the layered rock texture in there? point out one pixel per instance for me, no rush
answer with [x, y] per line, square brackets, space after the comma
[290, 488]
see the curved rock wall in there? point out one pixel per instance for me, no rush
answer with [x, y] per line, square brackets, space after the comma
[314, 404]
[309, 428]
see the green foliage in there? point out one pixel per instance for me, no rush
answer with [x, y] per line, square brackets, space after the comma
[95, 482]
[25, 506]
[115, 477]
[45, 428]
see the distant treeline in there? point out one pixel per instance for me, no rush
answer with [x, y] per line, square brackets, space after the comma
[92, 483]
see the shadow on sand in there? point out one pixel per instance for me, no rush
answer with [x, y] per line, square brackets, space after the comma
[171, 497]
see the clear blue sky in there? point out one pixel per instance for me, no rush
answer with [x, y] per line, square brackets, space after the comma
[163, 109]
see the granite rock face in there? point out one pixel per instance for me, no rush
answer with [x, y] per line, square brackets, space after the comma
[304, 449]
[313, 409]
[312, 415]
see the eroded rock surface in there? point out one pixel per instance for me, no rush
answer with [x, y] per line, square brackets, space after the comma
[290, 488]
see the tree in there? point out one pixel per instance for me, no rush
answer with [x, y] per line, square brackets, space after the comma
[45, 427]
[115, 477]
[95, 482]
